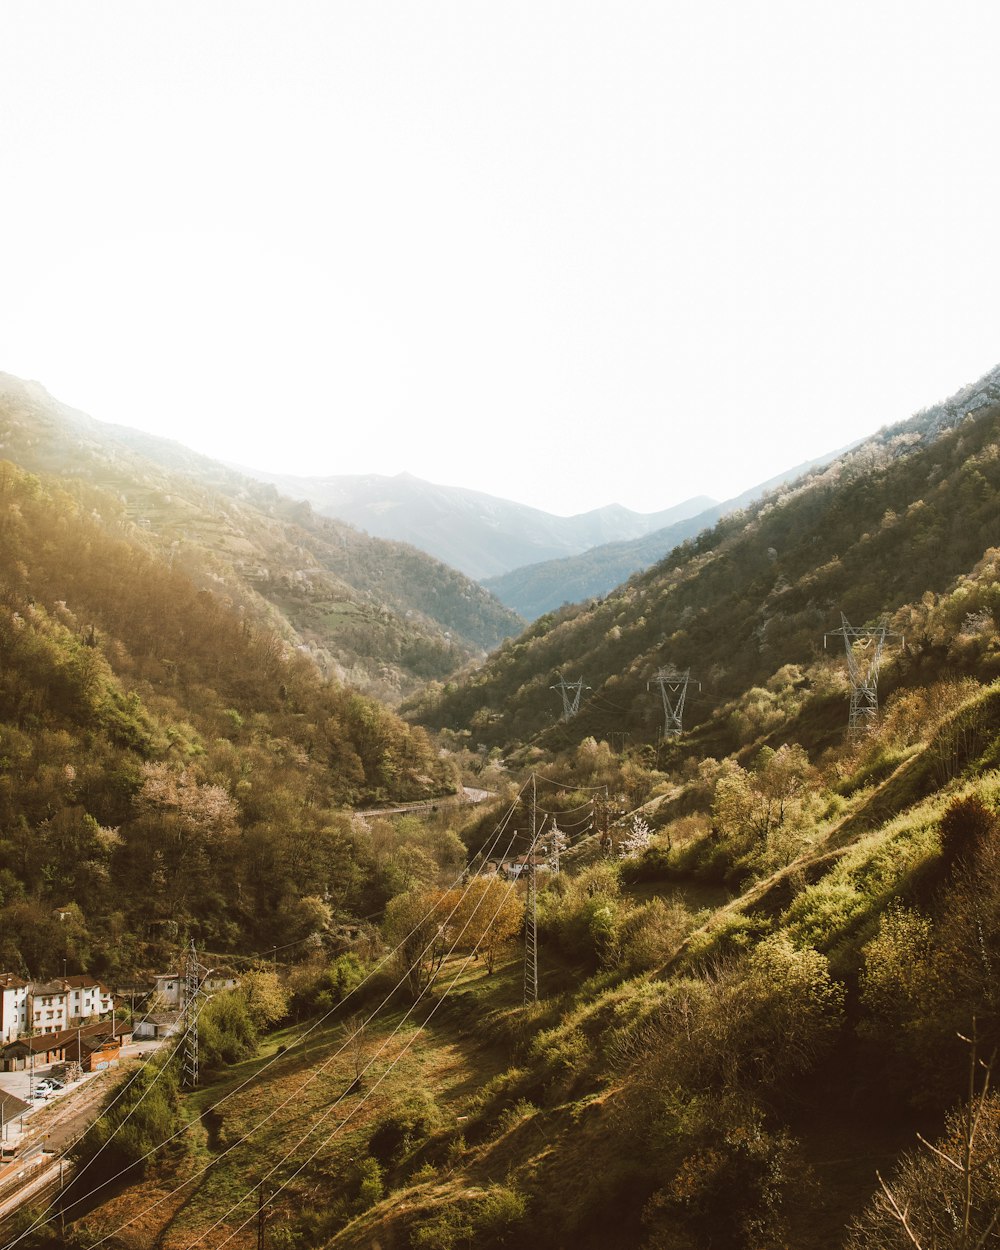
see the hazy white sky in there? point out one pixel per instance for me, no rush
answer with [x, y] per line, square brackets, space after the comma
[567, 253]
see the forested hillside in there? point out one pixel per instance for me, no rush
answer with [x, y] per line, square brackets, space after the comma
[885, 529]
[549, 584]
[168, 765]
[382, 615]
[758, 1004]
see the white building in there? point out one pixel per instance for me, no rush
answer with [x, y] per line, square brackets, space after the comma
[170, 986]
[13, 1006]
[86, 997]
[47, 1007]
[64, 1003]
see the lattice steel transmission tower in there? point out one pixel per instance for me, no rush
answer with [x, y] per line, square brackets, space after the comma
[192, 986]
[672, 684]
[571, 702]
[558, 842]
[531, 910]
[864, 646]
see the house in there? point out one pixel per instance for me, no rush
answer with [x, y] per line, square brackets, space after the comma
[13, 1006]
[47, 1007]
[86, 997]
[171, 987]
[45, 1048]
[158, 1025]
[11, 1107]
[65, 1003]
[94, 1051]
[513, 868]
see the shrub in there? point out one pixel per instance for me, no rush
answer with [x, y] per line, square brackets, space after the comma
[226, 1032]
[650, 935]
[965, 827]
[404, 1128]
[139, 1116]
[728, 1188]
[493, 1218]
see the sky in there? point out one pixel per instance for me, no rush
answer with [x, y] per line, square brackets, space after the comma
[568, 254]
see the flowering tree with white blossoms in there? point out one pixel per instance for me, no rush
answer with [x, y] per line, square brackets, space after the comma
[637, 839]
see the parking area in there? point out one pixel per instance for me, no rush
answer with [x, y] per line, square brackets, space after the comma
[21, 1084]
[32, 1088]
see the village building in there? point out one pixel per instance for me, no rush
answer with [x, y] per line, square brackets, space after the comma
[46, 1048]
[171, 986]
[13, 1006]
[95, 1051]
[157, 1025]
[513, 868]
[65, 1002]
[48, 1007]
[86, 997]
[30, 1007]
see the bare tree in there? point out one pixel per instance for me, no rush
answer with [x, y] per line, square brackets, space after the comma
[945, 1196]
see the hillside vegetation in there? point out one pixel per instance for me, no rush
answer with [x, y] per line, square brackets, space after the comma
[885, 529]
[379, 614]
[759, 982]
[167, 765]
[767, 1011]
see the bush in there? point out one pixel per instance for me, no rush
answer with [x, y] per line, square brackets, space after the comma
[729, 1186]
[330, 986]
[139, 1116]
[652, 934]
[404, 1128]
[226, 1033]
[493, 1218]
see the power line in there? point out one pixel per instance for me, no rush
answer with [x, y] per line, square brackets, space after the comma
[274, 1058]
[368, 1093]
[531, 913]
[316, 1024]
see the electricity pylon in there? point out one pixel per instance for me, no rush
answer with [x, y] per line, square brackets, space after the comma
[558, 842]
[864, 646]
[531, 938]
[571, 705]
[192, 987]
[531, 911]
[673, 686]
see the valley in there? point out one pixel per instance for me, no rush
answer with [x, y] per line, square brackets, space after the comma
[717, 970]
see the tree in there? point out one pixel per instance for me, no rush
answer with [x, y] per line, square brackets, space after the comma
[488, 914]
[947, 1194]
[265, 997]
[414, 925]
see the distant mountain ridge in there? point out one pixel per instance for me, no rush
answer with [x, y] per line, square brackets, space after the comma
[481, 535]
[906, 519]
[543, 587]
[381, 615]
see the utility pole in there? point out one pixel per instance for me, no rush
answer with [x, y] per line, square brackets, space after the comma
[531, 912]
[192, 983]
[864, 648]
[570, 702]
[672, 684]
[261, 1217]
